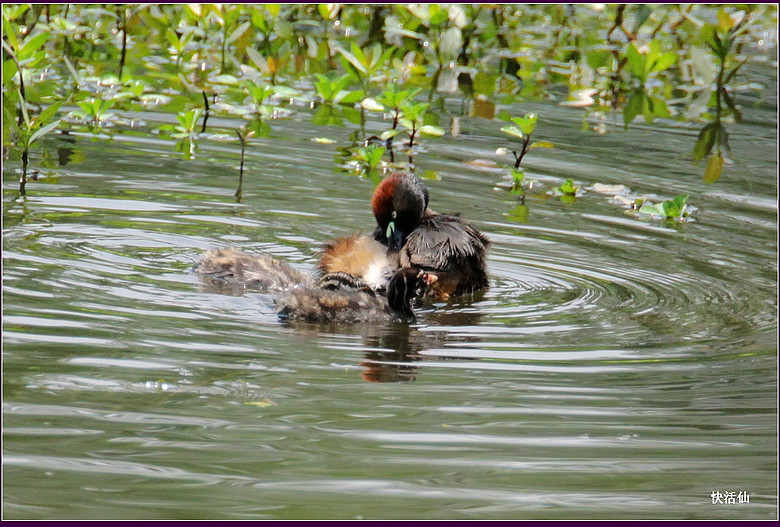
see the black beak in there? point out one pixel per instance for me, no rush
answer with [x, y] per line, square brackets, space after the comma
[395, 237]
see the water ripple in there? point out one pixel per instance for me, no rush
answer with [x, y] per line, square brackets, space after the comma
[626, 303]
[123, 417]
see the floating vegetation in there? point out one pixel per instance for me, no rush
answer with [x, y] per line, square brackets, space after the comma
[671, 209]
[266, 62]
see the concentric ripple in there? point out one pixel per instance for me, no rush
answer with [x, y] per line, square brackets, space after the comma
[614, 297]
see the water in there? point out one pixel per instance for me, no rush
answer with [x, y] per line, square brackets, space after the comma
[618, 367]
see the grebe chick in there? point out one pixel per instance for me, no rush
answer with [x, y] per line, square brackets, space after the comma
[348, 305]
[360, 258]
[230, 267]
[444, 244]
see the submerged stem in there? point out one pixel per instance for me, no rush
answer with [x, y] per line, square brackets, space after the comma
[23, 179]
[205, 113]
[239, 191]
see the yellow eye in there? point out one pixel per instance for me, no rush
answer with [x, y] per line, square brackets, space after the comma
[394, 214]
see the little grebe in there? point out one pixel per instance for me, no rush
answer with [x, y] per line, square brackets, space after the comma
[357, 257]
[335, 297]
[444, 244]
[230, 267]
[347, 304]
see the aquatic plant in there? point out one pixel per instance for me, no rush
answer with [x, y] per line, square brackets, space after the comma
[243, 134]
[413, 121]
[673, 209]
[722, 40]
[364, 64]
[29, 131]
[643, 63]
[331, 89]
[671, 61]
[369, 158]
[522, 128]
[94, 110]
[568, 188]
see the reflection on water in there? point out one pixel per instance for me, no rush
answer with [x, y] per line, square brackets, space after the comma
[390, 351]
[616, 367]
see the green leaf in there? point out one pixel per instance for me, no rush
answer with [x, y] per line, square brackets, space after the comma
[713, 39]
[484, 84]
[244, 133]
[663, 62]
[388, 134]
[659, 108]
[236, 34]
[650, 208]
[714, 168]
[568, 187]
[328, 11]
[72, 71]
[354, 60]
[512, 130]
[86, 107]
[258, 20]
[725, 22]
[438, 15]
[9, 70]
[648, 109]
[634, 106]
[43, 131]
[503, 115]
[519, 213]
[348, 97]
[259, 128]
[376, 155]
[413, 112]
[173, 38]
[390, 97]
[257, 58]
[9, 115]
[371, 104]
[357, 51]
[259, 93]
[104, 105]
[322, 86]
[8, 30]
[166, 128]
[49, 112]
[31, 45]
[350, 114]
[676, 207]
[636, 62]
[526, 123]
[12, 12]
[541, 144]
[707, 137]
[350, 68]
[517, 178]
[371, 154]
[340, 83]
[25, 113]
[429, 129]
[226, 79]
